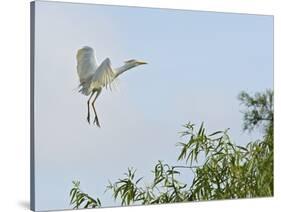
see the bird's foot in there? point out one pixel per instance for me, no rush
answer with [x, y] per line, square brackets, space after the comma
[88, 119]
[96, 121]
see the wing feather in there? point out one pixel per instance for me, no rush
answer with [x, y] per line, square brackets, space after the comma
[86, 63]
[104, 75]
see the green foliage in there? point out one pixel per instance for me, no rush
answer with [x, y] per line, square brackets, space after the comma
[126, 188]
[221, 169]
[228, 171]
[259, 109]
[80, 199]
[164, 188]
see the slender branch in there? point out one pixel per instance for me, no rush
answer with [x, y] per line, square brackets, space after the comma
[187, 167]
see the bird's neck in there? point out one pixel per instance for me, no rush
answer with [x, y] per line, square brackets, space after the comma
[122, 69]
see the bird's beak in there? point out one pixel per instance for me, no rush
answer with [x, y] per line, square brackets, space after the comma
[142, 62]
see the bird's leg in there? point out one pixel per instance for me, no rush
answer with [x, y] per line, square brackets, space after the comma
[88, 104]
[96, 120]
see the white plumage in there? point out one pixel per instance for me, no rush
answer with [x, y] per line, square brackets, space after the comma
[86, 63]
[94, 77]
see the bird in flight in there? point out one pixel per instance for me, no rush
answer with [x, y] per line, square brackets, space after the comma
[93, 77]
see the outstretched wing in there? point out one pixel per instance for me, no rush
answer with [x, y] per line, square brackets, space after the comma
[86, 63]
[104, 75]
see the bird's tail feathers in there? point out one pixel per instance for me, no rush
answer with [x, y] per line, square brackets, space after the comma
[82, 88]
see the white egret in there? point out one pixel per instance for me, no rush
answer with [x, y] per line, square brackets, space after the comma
[94, 77]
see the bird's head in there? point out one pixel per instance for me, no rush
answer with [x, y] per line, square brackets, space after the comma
[134, 62]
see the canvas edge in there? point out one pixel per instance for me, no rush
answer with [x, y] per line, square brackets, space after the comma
[157, 7]
[32, 64]
[32, 78]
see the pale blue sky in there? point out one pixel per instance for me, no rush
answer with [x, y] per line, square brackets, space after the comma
[198, 63]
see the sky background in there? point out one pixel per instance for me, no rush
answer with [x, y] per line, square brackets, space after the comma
[198, 64]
